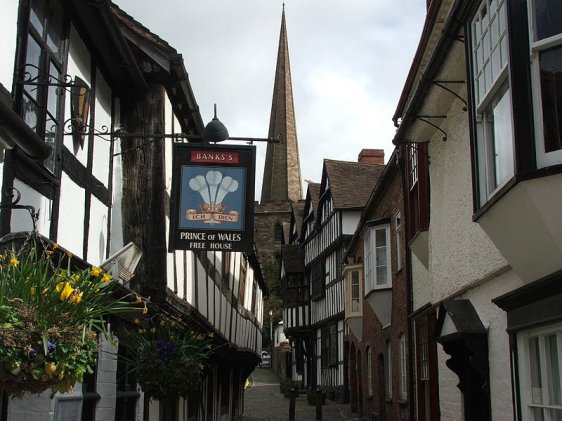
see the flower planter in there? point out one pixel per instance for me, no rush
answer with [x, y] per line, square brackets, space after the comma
[50, 314]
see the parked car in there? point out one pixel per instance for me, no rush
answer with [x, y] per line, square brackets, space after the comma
[265, 359]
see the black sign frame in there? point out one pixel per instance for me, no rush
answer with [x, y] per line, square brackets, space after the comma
[212, 202]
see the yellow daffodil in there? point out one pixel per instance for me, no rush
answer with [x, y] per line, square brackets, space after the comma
[76, 277]
[45, 291]
[55, 246]
[59, 286]
[76, 297]
[50, 368]
[32, 290]
[96, 271]
[106, 278]
[144, 310]
[138, 299]
[66, 292]
[14, 261]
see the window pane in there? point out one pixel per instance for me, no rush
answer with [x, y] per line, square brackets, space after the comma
[37, 15]
[53, 92]
[535, 362]
[503, 135]
[33, 57]
[548, 18]
[30, 112]
[553, 370]
[54, 29]
[551, 93]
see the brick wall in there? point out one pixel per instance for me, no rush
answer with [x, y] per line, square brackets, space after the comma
[389, 202]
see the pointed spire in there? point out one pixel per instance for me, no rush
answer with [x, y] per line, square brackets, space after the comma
[282, 173]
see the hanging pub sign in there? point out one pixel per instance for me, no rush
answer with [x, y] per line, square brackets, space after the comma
[212, 197]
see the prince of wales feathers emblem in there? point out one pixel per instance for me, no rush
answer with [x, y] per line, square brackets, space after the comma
[213, 188]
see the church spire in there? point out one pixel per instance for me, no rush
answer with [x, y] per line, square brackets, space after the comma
[282, 173]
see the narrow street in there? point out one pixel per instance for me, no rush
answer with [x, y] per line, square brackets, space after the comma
[264, 402]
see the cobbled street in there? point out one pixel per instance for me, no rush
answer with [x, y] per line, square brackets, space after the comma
[264, 402]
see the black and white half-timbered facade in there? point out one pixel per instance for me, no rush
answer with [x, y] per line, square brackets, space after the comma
[331, 213]
[88, 100]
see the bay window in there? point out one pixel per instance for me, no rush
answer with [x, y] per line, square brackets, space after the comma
[377, 258]
[353, 290]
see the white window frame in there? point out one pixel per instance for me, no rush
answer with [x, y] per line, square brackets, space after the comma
[403, 367]
[544, 158]
[534, 399]
[370, 253]
[398, 236]
[490, 65]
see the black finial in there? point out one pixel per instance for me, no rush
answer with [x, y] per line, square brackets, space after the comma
[283, 6]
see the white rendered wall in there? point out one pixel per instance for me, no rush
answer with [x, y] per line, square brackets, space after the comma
[460, 253]
[21, 219]
[97, 235]
[8, 23]
[349, 222]
[71, 216]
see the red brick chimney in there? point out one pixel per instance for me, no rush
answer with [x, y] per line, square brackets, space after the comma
[371, 156]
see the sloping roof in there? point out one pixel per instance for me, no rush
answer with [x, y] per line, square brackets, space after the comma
[351, 183]
[291, 259]
[298, 211]
[314, 190]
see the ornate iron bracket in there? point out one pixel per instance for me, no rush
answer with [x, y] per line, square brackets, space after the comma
[14, 195]
[39, 78]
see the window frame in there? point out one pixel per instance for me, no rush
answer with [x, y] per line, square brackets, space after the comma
[48, 58]
[496, 82]
[536, 47]
[348, 274]
[526, 403]
[369, 353]
[317, 276]
[398, 239]
[403, 368]
[370, 247]
[388, 369]
[329, 345]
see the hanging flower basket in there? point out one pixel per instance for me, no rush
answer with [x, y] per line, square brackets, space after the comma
[50, 315]
[168, 360]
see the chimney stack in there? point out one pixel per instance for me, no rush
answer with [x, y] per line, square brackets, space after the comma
[371, 156]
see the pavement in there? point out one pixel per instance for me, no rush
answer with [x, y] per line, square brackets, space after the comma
[264, 402]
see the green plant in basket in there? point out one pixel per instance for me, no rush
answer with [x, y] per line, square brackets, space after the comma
[168, 360]
[50, 315]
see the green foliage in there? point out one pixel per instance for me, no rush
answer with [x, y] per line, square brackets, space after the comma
[168, 360]
[50, 315]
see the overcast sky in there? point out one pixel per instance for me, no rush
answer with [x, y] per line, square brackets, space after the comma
[349, 61]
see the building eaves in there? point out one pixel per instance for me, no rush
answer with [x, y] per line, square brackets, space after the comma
[441, 38]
